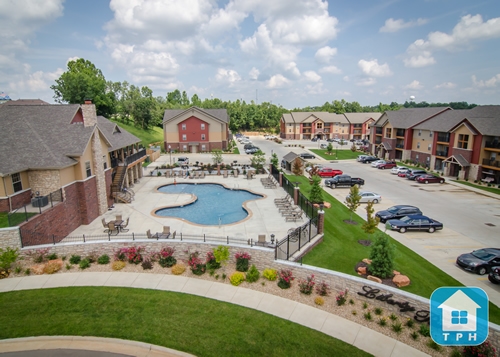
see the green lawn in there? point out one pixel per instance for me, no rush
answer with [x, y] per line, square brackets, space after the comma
[200, 326]
[15, 218]
[340, 251]
[337, 155]
[152, 135]
[483, 187]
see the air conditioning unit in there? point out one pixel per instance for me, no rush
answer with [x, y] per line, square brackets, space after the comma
[40, 201]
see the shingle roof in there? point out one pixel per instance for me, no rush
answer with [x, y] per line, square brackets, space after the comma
[40, 137]
[486, 119]
[444, 121]
[117, 137]
[304, 117]
[407, 117]
[220, 114]
[290, 156]
[360, 118]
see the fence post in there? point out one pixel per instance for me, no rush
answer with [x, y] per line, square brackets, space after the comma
[227, 239]
[109, 237]
[133, 237]
[84, 238]
[53, 239]
[204, 241]
[181, 236]
[276, 251]
[287, 247]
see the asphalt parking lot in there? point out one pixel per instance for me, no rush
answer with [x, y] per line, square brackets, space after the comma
[471, 220]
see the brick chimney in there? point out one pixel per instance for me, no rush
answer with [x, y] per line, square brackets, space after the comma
[89, 113]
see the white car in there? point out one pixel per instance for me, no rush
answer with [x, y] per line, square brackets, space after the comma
[309, 168]
[367, 196]
[378, 162]
[396, 170]
[183, 161]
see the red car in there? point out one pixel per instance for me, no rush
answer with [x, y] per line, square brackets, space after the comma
[387, 165]
[429, 179]
[329, 172]
[403, 173]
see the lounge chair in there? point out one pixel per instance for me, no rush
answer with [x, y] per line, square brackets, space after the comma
[202, 174]
[281, 199]
[225, 175]
[173, 234]
[294, 217]
[152, 236]
[123, 226]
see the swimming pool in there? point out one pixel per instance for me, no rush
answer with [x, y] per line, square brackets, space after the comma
[214, 204]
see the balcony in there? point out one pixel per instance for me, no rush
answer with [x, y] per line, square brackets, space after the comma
[443, 153]
[443, 137]
[400, 132]
[400, 144]
[378, 141]
[134, 157]
[492, 163]
[492, 144]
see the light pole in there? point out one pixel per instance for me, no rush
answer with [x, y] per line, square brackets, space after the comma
[170, 151]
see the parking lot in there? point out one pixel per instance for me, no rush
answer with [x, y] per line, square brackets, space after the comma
[471, 220]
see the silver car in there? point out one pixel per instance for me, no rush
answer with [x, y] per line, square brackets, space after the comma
[367, 196]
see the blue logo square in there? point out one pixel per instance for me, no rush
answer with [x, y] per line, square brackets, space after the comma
[459, 316]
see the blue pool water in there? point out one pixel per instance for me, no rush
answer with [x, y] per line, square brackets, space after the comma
[213, 202]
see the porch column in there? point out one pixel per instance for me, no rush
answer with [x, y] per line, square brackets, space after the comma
[321, 221]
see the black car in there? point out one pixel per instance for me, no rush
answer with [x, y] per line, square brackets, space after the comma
[315, 139]
[414, 222]
[494, 275]
[480, 261]
[397, 212]
[306, 155]
[368, 159]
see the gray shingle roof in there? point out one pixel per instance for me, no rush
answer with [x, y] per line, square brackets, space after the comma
[408, 117]
[220, 114]
[290, 156]
[360, 118]
[444, 121]
[300, 117]
[116, 136]
[40, 137]
[486, 119]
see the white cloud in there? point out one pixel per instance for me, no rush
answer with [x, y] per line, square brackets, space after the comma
[392, 25]
[346, 79]
[254, 73]
[311, 76]
[325, 54]
[330, 69]
[489, 83]
[365, 82]
[446, 85]
[414, 85]
[228, 76]
[315, 89]
[422, 60]
[372, 68]
[277, 81]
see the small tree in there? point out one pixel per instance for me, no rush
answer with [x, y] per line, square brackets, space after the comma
[382, 256]
[258, 160]
[352, 201]
[221, 254]
[370, 226]
[316, 195]
[217, 156]
[274, 160]
[297, 167]
[329, 148]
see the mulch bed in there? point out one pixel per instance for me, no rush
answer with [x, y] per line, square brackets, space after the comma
[348, 221]
[387, 281]
[365, 242]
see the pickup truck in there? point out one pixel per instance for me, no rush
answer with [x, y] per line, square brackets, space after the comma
[344, 181]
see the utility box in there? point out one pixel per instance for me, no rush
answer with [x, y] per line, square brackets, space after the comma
[40, 201]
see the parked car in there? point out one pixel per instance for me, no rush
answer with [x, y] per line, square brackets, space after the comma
[306, 155]
[378, 162]
[397, 169]
[344, 181]
[403, 172]
[367, 196]
[414, 173]
[480, 261]
[248, 146]
[329, 172]
[429, 179]
[361, 157]
[183, 161]
[315, 139]
[309, 168]
[252, 150]
[387, 165]
[323, 146]
[368, 159]
[396, 212]
[414, 222]
[494, 275]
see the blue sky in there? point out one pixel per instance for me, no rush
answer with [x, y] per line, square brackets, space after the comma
[288, 52]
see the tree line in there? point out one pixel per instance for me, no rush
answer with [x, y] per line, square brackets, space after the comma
[132, 104]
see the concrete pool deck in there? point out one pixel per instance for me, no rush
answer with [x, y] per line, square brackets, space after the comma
[264, 217]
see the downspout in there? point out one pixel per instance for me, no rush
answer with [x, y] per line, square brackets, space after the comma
[8, 197]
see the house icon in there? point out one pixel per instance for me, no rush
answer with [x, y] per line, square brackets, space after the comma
[459, 313]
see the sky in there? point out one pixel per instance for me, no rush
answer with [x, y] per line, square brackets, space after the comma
[293, 53]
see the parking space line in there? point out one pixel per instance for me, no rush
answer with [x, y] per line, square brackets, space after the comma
[451, 246]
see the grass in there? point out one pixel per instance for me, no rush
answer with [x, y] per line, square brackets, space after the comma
[15, 218]
[337, 155]
[152, 135]
[483, 187]
[200, 326]
[340, 251]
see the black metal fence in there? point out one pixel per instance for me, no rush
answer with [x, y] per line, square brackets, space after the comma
[37, 206]
[296, 239]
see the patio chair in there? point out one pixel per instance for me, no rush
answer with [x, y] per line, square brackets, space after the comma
[281, 199]
[167, 174]
[173, 234]
[262, 239]
[119, 217]
[104, 223]
[294, 217]
[152, 236]
[202, 174]
[225, 175]
[112, 229]
[123, 226]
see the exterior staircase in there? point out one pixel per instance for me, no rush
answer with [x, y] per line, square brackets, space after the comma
[119, 193]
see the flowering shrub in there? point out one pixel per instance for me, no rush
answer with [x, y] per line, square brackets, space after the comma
[211, 262]
[484, 350]
[166, 257]
[323, 289]
[196, 264]
[237, 278]
[307, 286]
[178, 269]
[39, 255]
[131, 254]
[318, 300]
[285, 279]
[342, 297]
[147, 264]
[118, 265]
[242, 259]
[270, 274]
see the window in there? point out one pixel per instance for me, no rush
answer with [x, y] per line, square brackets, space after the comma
[429, 147]
[183, 126]
[416, 157]
[203, 126]
[184, 137]
[184, 148]
[87, 169]
[202, 136]
[430, 134]
[418, 145]
[16, 182]
[203, 147]
[388, 132]
[459, 317]
[105, 163]
[319, 126]
[463, 140]
[419, 132]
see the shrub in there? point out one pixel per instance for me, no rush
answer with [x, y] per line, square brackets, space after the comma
[132, 254]
[147, 264]
[237, 278]
[270, 274]
[178, 269]
[382, 321]
[341, 298]
[84, 263]
[221, 254]
[307, 286]
[211, 262]
[285, 279]
[393, 317]
[8, 257]
[382, 256]
[322, 289]
[51, 268]
[378, 311]
[27, 271]
[365, 305]
[368, 315]
[485, 349]
[414, 335]
[75, 259]
[410, 323]
[253, 274]
[68, 266]
[166, 257]
[242, 259]
[103, 259]
[195, 263]
[436, 347]
[397, 327]
[39, 255]
[318, 300]
[93, 256]
[424, 330]
[351, 301]
[52, 256]
[118, 265]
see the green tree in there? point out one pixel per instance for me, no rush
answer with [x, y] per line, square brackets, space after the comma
[297, 167]
[258, 160]
[316, 195]
[382, 257]
[221, 254]
[83, 80]
[329, 148]
[370, 226]
[352, 201]
[217, 156]
[274, 160]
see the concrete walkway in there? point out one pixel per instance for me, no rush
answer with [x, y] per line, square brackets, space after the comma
[330, 324]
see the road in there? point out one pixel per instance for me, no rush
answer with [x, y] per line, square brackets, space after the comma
[471, 220]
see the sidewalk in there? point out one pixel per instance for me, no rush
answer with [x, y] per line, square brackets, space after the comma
[332, 325]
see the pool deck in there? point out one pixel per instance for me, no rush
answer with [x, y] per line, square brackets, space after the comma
[264, 217]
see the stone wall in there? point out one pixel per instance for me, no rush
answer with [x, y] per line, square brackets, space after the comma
[9, 237]
[44, 181]
[98, 163]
